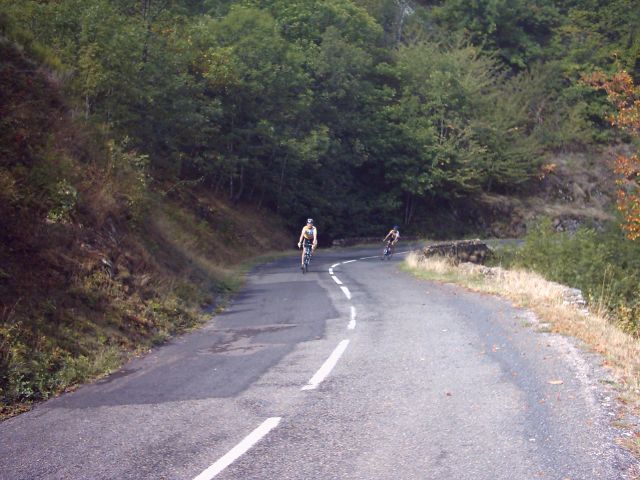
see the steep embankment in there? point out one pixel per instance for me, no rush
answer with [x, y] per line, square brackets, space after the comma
[573, 189]
[97, 260]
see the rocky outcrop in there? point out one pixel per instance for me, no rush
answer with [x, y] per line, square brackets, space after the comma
[475, 251]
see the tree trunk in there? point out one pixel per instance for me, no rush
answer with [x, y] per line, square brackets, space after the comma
[489, 184]
[409, 208]
[402, 13]
[218, 184]
[281, 183]
[238, 195]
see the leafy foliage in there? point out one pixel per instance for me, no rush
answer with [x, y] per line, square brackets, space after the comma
[517, 29]
[303, 107]
[603, 264]
[625, 96]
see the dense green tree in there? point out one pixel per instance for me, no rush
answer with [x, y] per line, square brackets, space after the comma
[336, 108]
[598, 33]
[517, 30]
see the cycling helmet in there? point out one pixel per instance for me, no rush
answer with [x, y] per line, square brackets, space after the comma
[310, 221]
[395, 227]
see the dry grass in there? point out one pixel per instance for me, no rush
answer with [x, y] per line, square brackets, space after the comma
[98, 263]
[189, 247]
[218, 243]
[546, 299]
[621, 351]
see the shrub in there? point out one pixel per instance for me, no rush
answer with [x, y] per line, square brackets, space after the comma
[605, 265]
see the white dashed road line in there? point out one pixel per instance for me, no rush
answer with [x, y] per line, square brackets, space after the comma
[240, 449]
[352, 322]
[327, 366]
[269, 424]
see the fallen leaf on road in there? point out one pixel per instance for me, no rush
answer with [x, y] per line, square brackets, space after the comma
[555, 382]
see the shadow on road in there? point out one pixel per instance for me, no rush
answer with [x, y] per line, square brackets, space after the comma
[262, 325]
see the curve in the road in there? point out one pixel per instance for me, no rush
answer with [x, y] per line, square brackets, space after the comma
[322, 373]
[417, 380]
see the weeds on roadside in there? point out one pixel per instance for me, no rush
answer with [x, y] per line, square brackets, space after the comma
[545, 298]
[604, 264]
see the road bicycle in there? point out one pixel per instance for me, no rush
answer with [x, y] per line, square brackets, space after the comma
[307, 257]
[387, 252]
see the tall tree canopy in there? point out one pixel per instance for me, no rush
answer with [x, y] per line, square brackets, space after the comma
[342, 109]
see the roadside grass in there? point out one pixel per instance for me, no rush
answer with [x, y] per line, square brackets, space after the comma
[103, 326]
[602, 263]
[620, 350]
[161, 280]
[100, 261]
[267, 257]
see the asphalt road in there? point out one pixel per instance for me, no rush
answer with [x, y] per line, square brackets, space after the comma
[369, 375]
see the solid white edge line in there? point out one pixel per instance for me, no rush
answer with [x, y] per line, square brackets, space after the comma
[369, 258]
[240, 449]
[349, 261]
[346, 292]
[336, 279]
[335, 265]
[327, 366]
[331, 271]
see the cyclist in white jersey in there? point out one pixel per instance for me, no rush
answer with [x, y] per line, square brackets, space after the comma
[308, 236]
[393, 236]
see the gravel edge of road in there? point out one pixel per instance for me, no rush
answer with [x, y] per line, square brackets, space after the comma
[590, 365]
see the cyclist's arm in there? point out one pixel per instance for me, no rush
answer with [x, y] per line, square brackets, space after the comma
[301, 237]
[388, 235]
[315, 238]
